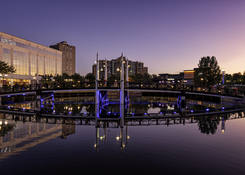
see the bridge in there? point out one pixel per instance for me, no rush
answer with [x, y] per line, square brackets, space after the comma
[100, 96]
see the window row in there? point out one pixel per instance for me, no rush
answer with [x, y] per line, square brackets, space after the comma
[37, 65]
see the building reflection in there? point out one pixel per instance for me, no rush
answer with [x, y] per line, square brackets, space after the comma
[19, 136]
[68, 128]
[18, 133]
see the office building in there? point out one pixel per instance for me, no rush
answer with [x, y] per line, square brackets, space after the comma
[68, 57]
[112, 67]
[31, 60]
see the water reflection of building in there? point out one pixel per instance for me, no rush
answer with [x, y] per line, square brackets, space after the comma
[68, 129]
[26, 135]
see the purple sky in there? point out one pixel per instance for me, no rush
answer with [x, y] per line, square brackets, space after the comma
[168, 36]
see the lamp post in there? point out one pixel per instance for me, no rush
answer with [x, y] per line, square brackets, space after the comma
[223, 77]
[106, 72]
[97, 92]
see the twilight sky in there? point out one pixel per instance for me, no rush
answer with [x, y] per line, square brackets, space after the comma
[167, 35]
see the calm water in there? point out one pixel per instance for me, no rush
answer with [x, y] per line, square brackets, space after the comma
[205, 145]
[200, 145]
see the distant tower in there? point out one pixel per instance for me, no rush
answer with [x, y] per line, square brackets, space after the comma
[68, 57]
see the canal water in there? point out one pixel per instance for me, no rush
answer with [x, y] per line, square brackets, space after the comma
[202, 145]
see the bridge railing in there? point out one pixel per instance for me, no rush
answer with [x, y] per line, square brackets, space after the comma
[226, 90]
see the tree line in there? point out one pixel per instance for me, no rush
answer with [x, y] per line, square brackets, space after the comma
[206, 75]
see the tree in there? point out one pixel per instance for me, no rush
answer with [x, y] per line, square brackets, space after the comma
[90, 78]
[237, 78]
[141, 80]
[5, 68]
[46, 80]
[208, 72]
[243, 78]
[113, 80]
[208, 125]
[228, 78]
[78, 80]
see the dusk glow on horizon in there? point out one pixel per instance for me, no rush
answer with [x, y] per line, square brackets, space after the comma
[168, 36]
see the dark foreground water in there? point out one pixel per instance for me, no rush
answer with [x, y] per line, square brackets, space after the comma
[207, 145]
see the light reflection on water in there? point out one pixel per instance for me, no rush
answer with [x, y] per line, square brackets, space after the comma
[136, 105]
[192, 144]
[34, 145]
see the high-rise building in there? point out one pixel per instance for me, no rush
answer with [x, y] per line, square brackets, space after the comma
[68, 57]
[112, 67]
[29, 59]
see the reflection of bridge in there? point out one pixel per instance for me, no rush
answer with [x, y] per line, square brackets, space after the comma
[115, 123]
[34, 130]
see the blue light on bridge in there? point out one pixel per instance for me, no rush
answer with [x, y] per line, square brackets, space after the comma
[192, 111]
[9, 95]
[145, 113]
[207, 110]
[223, 108]
[23, 94]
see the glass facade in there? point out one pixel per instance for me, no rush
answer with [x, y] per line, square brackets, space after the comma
[6, 57]
[50, 65]
[41, 65]
[29, 58]
[33, 63]
[21, 62]
[59, 65]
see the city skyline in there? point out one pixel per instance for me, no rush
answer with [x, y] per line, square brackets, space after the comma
[158, 33]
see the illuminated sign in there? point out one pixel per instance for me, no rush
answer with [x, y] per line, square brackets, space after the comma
[8, 41]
